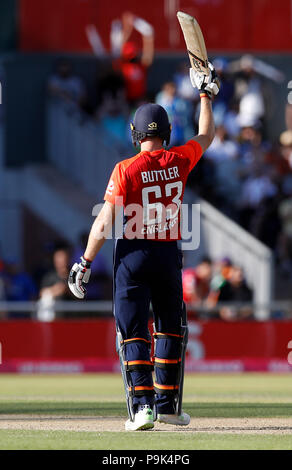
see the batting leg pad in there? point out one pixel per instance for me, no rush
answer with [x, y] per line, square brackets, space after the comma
[167, 365]
[136, 368]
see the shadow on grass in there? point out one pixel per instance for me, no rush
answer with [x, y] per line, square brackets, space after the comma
[238, 410]
[196, 410]
[61, 408]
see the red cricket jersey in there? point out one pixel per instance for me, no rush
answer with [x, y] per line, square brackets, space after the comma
[151, 187]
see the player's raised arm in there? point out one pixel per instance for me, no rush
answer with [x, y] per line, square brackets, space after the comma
[208, 87]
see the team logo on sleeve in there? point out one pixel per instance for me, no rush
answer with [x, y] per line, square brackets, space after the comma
[110, 188]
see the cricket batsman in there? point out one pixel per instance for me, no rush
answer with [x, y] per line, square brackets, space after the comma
[148, 261]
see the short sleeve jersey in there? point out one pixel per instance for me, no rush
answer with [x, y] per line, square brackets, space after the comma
[150, 186]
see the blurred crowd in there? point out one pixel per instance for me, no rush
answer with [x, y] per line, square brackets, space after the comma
[206, 286]
[243, 173]
[211, 284]
[48, 281]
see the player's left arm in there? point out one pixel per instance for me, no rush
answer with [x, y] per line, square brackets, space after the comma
[80, 273]
[100, 229]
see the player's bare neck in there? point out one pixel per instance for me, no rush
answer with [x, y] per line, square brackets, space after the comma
[151, 145]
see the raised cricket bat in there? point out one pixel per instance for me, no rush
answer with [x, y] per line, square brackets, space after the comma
[195, 42]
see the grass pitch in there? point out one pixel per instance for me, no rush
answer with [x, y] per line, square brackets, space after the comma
[240, 411]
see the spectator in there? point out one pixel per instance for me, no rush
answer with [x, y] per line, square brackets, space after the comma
[196, 284]
[255, 189]
[132, 67]
[184, 88]
[221, 273]
[249, 92]
[54, 283]
[222, 102]
[222, 148]
[253, 149]
[235, 289]
[179, 112]
[224, 154]
[63, 83]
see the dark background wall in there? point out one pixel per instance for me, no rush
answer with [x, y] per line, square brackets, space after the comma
[8, 25]
[33, 33]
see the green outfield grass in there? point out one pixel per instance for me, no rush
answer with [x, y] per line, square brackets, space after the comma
[206, 396]
[60, 440]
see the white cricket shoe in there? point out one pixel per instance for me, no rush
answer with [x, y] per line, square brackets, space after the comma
[181, 420]
[143, 419]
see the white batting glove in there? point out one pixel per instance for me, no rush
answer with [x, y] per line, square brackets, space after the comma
[79, 275]
[209, 84]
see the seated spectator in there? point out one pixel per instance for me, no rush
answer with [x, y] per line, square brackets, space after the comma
[222, 148]
[221, 273]
[184, 88]
[253, 149]
[235, 289]
[179, 112]
[65, 84]
[54, 283]
[249, 91]
[254, 191]
[196, 284]
[224, 155]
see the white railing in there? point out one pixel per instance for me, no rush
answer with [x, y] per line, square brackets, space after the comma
[223, 237]
[80, 148]
[101, 308]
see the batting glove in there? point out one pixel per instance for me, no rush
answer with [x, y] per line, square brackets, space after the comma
[208, 84]
[79, 275]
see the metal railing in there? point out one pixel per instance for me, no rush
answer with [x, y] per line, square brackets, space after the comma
[80, 148]
[104, 308]
[222, 237]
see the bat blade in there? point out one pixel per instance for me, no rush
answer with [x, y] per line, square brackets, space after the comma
[194, 41]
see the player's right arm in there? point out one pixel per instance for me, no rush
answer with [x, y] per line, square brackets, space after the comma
[208, 87]
[206, 131]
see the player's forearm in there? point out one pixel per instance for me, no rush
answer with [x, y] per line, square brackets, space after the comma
[99, 231]
[206, 120]
[206, 125]
[95, 241]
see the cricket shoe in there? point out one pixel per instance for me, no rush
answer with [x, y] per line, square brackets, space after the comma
[143, 419]
[178, 420]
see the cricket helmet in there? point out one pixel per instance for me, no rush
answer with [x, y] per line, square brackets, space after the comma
[150, 120]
